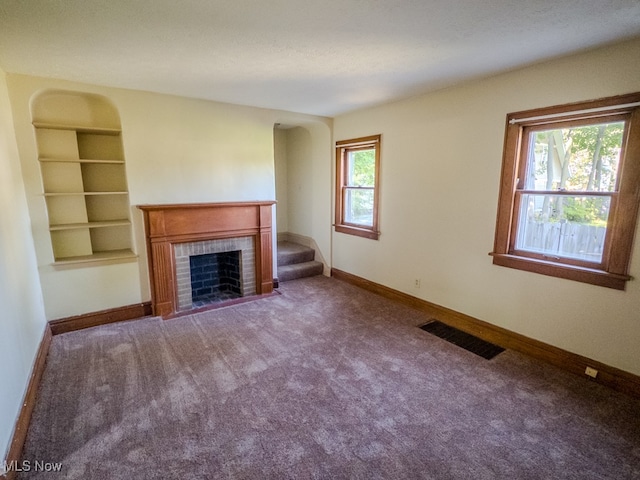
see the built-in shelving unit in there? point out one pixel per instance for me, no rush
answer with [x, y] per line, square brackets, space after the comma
[85, 189]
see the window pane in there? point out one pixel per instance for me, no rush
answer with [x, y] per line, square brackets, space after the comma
[563, 226]
[578, 158]
[361, 168]
[358, 206]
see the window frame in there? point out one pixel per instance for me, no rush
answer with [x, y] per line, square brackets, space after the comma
[613, 270]
[343, 148]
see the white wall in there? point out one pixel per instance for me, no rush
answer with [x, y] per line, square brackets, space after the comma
[440, 173]
[282, 189]
[321, 181]
[300, 181]
[177, 150]
[22, 321]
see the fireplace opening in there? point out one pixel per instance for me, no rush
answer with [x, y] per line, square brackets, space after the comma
[215, 277]
[246, 268]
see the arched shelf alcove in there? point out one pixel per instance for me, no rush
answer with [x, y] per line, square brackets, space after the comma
[84, 181]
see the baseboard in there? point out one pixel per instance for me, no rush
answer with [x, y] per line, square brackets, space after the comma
[609, 376]
[28, 403]
[102, 317]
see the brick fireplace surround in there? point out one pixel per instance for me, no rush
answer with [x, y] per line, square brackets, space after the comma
[168, 226]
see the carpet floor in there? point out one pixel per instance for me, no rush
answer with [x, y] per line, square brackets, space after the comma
[325, 381]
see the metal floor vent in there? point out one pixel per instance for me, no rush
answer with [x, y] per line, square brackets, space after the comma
[462, 339]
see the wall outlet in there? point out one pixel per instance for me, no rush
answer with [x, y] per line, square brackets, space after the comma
[416, 283]
[591, 372]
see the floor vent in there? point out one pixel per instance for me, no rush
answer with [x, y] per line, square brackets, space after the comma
[462, 339]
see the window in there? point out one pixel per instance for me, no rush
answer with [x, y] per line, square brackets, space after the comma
[569, 194]
[357, 192]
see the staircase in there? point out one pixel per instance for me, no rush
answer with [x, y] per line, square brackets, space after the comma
[296, 261]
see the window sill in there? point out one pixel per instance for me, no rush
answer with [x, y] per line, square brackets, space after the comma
[358, 231]
[580, 274]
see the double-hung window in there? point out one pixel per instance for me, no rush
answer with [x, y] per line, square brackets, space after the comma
[357, 191]
[570, 191]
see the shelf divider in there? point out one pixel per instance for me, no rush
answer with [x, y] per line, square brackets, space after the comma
[78, 160]
[78, 128]
[73, 226]
[97, 257]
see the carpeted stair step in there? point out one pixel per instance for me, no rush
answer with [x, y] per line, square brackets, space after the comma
[299, 270]
[290, 253]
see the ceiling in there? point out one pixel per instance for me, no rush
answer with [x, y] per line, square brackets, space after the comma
[317, 57]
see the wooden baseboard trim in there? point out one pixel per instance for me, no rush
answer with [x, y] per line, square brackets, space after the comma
[28, 403]
[612, 377]
[103, 317]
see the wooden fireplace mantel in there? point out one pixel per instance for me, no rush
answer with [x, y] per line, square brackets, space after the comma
[166, 225]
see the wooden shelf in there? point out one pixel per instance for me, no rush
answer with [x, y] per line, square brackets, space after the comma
[79, 160]
[78, 128]
[84, 194]
[97, 257]
[85, 188]
[73, 226]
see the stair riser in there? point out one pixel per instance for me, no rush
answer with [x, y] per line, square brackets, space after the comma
[292, 272]
[296, 257]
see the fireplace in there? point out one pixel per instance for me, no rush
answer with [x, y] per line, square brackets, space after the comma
[232, 238]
